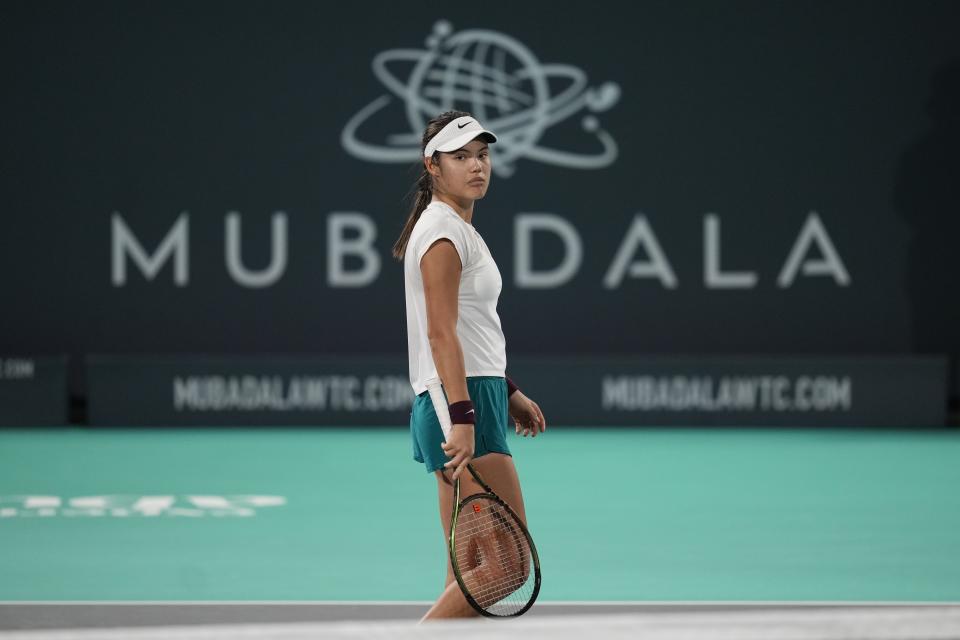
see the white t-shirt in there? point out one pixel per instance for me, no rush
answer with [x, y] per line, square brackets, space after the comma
[478, 325]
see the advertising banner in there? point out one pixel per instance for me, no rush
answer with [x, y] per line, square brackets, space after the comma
[666, 391]
[670, 178]
[33, 390]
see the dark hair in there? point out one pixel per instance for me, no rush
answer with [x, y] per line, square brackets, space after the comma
[422, 189]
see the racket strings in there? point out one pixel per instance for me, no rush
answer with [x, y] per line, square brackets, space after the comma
[493, 557]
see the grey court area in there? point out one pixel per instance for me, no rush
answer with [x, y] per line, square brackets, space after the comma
[184, 620]
[555, 622]
[25, 616]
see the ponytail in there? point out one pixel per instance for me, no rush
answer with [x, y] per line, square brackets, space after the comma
[421, 199]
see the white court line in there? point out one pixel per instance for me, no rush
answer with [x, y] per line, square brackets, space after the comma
[555, 603]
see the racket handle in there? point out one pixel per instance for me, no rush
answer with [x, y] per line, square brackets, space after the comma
[440, 406]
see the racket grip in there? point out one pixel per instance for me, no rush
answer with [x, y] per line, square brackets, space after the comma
[440, 406]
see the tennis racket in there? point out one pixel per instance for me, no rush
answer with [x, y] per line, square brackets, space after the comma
[491, 551]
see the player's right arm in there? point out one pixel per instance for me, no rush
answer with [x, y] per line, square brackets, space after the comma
[440, 268]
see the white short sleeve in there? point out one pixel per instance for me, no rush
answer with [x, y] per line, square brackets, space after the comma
[442, 227]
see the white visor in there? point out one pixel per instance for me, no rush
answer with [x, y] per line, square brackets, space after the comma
[456, 135]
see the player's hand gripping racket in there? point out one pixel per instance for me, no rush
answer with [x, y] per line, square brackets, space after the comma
[491, 551]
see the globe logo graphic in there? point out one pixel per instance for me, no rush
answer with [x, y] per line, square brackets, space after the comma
[502, 83]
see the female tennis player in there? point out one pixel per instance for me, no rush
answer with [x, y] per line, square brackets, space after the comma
[453, 331]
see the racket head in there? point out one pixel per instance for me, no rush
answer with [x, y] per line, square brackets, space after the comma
[493, 557]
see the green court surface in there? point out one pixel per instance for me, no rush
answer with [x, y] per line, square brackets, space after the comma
[618, 514]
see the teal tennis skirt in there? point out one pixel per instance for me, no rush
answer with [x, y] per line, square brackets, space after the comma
[489, 397]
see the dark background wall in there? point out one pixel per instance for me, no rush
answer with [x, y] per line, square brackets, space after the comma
[757, 112]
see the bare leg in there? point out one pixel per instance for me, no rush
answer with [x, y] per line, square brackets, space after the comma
[498, 471]
[445, 491]
[451, 603]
